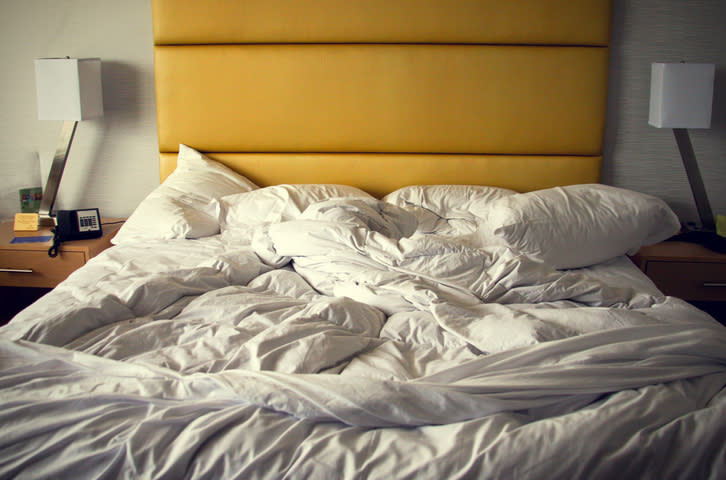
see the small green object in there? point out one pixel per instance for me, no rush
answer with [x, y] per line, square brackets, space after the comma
[30, 199]
[721, 225]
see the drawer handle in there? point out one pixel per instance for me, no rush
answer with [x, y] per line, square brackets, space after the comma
[16, 270]
[714, 284]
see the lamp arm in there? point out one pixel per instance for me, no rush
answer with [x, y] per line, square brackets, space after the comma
[694, 178]
[56, 170]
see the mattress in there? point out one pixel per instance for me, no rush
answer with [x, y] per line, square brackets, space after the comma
[324, 333]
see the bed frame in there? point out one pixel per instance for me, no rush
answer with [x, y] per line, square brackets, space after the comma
[379, 94]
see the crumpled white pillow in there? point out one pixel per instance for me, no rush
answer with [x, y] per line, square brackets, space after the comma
[183, 205]
[277, 203]
[578, 225]
[375, 215]
[450, 210]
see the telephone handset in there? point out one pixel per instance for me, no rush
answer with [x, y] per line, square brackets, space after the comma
[75, 225]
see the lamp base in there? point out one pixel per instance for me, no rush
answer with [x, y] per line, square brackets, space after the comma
[706, 238]
[46, 221]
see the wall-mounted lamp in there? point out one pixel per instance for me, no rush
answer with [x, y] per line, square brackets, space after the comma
[681, 97]
[68, 89]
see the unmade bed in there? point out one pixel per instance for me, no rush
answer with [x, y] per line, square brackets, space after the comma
[379, 250]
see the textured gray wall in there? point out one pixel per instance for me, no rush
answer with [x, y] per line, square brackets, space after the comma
[645, 158]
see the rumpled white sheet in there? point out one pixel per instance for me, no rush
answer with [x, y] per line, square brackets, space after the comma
[217, 357]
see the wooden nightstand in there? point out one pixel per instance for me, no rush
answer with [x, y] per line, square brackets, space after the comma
[687, 271]
[28, 264]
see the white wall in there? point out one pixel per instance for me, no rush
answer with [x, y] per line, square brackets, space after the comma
[113, 163]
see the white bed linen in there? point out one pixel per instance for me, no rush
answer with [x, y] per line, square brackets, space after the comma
[415, 357]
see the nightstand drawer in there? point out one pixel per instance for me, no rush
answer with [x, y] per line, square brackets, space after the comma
[690, 280]
[36, 269]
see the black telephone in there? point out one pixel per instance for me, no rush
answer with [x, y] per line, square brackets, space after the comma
[75, 225]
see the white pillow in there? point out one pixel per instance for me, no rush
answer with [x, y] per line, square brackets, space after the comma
[450, 210]
[369, 213]
[444, 198]
[278, 203]
[578, 225]
[181, 207]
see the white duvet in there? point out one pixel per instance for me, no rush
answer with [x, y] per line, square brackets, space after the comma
[339, 345]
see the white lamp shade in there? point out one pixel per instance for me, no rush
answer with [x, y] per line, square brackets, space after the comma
[681, 95]
[68, 88]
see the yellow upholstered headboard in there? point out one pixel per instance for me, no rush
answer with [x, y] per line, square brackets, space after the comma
[380, 94]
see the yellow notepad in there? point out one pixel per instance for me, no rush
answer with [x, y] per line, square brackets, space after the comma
[26, 222]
